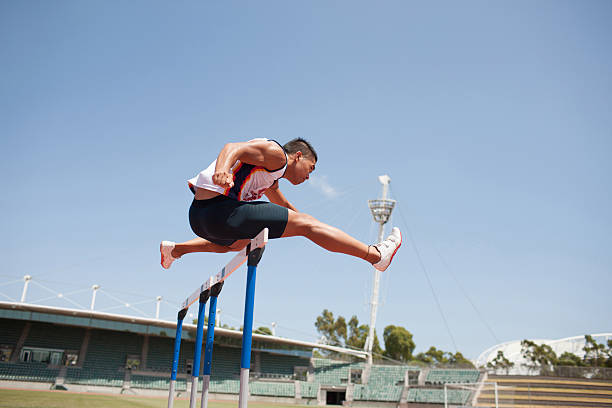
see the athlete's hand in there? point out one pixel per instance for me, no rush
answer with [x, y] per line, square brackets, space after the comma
[223, 179]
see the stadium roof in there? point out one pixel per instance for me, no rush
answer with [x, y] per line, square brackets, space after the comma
[512, 349]
[91, 318]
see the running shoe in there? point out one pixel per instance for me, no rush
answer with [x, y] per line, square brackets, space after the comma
[388, 248]
[166, 248]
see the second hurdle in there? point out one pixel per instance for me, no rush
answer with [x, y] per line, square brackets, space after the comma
[210, 290]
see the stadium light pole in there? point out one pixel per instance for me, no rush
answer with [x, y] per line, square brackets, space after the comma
[159, 299]
[94, 288]
[26, 282]
[381, 211]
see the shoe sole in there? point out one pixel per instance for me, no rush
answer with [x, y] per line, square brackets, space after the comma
[162, 257]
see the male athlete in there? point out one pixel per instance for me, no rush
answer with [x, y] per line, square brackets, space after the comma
[225, 215]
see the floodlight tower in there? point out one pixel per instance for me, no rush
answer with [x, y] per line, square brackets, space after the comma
[381, 211]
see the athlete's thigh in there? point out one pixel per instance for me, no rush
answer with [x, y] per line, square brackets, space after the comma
[298, 224]
[249, 218]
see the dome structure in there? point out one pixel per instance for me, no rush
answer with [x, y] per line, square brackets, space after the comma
[512, 349]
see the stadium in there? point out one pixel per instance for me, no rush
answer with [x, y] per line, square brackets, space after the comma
[76, 350]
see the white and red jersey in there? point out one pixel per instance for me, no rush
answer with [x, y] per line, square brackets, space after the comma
[250, 181]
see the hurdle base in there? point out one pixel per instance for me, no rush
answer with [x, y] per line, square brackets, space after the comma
[194, 392]
[243, 397]
[205, 386]
[171, 393]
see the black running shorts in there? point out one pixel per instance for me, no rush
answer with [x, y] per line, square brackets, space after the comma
[223, 220]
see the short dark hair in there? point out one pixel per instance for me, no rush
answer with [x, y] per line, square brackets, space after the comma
[300, 145]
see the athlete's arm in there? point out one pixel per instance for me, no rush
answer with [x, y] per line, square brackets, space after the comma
[263, 153]
[275, 196]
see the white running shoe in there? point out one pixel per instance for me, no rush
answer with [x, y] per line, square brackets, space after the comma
[166, 248]
[388, 248]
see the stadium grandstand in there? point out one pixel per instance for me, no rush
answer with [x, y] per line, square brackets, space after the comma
[46, 347]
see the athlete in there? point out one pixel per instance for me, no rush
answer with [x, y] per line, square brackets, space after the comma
[225, 213]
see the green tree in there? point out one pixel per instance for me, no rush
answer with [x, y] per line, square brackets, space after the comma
[458, 360]
[569, 359]
[433, 356]
[263, 330]
[398, 343]
[338, 333]
[595, 354]
[357, 333]
[500, 362]
[540, 356]
[333, 329]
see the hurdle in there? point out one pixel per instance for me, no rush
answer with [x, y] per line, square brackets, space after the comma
[211, 289]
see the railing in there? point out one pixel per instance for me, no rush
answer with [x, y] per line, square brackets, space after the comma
[602, 373]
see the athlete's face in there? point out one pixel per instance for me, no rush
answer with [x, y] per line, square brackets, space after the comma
[302, 169]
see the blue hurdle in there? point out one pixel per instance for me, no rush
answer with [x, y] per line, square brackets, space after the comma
[211, 290]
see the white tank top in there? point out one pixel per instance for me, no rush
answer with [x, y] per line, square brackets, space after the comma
[250, 181]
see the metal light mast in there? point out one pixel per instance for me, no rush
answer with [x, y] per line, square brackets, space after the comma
[381, 211]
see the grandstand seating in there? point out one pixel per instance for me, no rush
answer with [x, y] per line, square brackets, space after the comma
[383, 375]
[105, 359]
[281, 364]
[110, 377]
[272, 389]
[436, 396]
[152, 383]
[225, 386]
[11, 331]
[546, 391]
[330, 372]
[38, 372]
[379, 392]
[440, 376]
[55, 336]
[308, 389]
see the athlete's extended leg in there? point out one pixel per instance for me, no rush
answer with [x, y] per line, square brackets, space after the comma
[336, 240]
[170, 251]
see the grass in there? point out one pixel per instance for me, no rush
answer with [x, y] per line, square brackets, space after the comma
[63, 399]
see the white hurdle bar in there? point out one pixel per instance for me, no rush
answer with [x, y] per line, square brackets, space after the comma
[202, 294]
[259, 241]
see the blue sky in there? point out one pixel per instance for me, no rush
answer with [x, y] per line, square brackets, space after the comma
[492, 119]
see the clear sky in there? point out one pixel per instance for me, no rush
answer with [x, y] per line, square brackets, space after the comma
[493, 120]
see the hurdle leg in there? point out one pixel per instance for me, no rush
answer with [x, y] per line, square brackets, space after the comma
[247, 331]
[195, 370]
[177, 348]
[210, 338]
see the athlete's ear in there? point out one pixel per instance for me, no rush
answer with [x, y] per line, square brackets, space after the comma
[298, 155]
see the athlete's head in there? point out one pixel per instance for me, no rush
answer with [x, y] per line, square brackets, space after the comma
[302, 160]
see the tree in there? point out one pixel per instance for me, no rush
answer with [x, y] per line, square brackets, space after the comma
[500, 362]
[398, 343]
[263, 330]
[458, 360]
[569, 359]
[595, 354]
[334, 330]
[540, 356]
[357, 333]
[338, 333]
[433, 356]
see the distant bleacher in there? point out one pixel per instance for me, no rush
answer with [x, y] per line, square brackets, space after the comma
[380, 392]
[35, 372]
[447, 376]
[330, 372]
[436, 396]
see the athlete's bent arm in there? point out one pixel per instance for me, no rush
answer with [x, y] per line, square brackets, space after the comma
[257, 152]
[275, 196]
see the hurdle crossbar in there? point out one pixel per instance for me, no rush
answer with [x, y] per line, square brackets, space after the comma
[259, 241]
